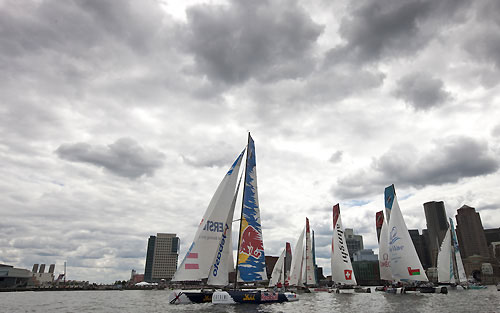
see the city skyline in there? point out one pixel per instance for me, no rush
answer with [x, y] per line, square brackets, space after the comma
[119, 119]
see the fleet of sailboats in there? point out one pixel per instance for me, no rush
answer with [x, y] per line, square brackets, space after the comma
[209, 259]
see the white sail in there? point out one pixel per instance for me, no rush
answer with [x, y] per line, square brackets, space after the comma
[296, 272]
[405, 264]
[341, 263]
[445, 260]
[278, 271]
[462, 278]
[223, 262]
[198, 260]
[383, 253]
[310, 277]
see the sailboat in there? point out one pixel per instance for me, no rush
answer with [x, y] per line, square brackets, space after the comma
[342, 272]
[404, 262]
[279, 274]
[250, 265]
[209, 257]
[445, 260]
[296, 276]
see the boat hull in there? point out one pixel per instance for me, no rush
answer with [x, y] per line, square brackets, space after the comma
[252, 296]
[190, 296]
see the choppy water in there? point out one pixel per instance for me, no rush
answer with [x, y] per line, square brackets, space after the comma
[156, 301]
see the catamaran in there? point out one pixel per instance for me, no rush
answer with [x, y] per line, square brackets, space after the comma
[250, 265]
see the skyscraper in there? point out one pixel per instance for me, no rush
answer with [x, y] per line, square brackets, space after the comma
[470, 233]
[354, 242]
[437, 224]
[161, 257]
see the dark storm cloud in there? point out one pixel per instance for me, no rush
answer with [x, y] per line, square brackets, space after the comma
[452, 159]
[377, 29]
[483, 42]
[260, 39]
[421, 91]
[125, 157]
[336, 157]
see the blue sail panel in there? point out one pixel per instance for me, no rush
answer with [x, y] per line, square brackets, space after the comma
[251, 258]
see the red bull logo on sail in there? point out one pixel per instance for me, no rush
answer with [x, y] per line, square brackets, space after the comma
[251, 242]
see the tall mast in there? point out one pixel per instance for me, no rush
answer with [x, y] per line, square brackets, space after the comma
[241, 218]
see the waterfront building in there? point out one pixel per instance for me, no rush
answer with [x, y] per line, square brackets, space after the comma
[492, 235]
[161, 257]
[437, 225]
[365, 255]
[40, 278]
[419, 241]
[354, 242]
[367, 273]
[11, 277]
[470, 233]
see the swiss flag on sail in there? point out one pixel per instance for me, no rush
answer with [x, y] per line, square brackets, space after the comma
[348, 274]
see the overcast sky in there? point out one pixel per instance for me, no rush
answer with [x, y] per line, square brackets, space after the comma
[118, 119]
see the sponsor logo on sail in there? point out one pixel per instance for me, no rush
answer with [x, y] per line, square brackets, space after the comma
[393, 238]
[385, 262]
[342, 247]
[214, 226]
[251, 242]
[219, 252]
[348, 274]
[413, 272]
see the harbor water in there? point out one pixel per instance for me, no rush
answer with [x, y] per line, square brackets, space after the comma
[145, 301]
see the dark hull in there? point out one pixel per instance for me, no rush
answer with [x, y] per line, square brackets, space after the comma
[252, 296]
[190, 296]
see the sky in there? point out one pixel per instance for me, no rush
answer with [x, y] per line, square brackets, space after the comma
[118, 119]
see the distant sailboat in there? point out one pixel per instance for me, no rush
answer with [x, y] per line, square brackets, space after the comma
[462, 278]
[310, 279]
[251, 266]
[279, 275]
[383, 251]
[297, 263]
[445, 260]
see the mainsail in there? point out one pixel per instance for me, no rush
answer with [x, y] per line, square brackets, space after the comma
[296, 272]
[405, 264]
[445, 260]
[462, 278]
[223, 259]
[198, 260]
[383, 250]
[341, 263]
[309, 268]
[251, 263]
